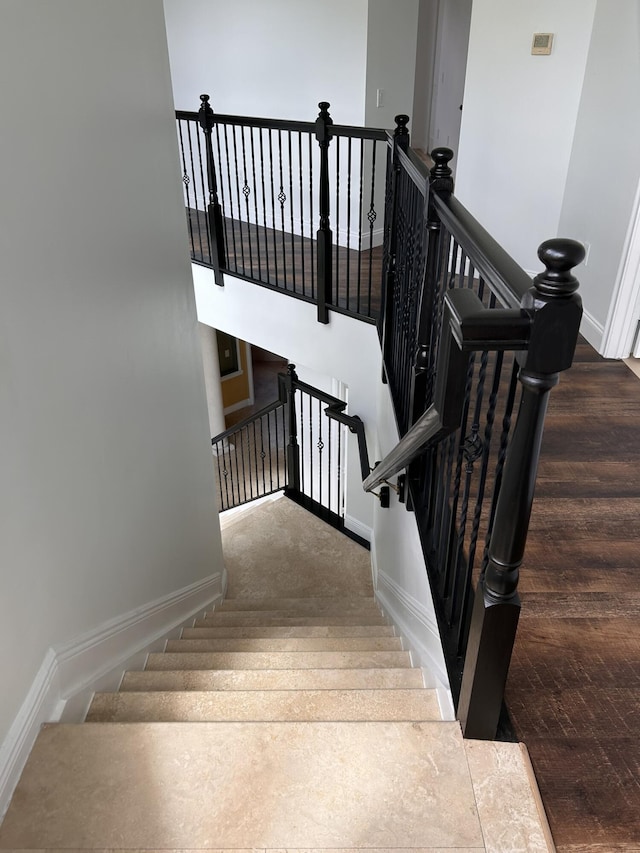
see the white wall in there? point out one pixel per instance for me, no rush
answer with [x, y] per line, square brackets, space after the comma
[392, 31]
[276, 59]
[604, 171]
[425, 59]
[519, 116]
[346, 350]
[106, 495]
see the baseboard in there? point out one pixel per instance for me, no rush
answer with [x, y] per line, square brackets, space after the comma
[358, 528]
[72, 671]
[235, 407]
[419, 628]
[592, 330]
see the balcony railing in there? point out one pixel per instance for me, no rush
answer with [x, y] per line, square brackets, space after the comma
[471, 350]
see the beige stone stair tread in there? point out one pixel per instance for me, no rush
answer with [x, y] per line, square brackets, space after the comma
[280, 644]
[305, 605]
[273, 679]
[270, 705]
[304, 785]
[212, 630]
[276, 660]
[284, 618]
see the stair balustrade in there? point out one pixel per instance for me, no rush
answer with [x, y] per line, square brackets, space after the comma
[471, 349]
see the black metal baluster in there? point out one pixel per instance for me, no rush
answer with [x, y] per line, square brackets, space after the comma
[264, 210]
[186, 180]
[255, 459]
[302, 434]
[255, 203]
[371, 216]
[330, 430]
[204, 195]
[293, 451]
[246, 192]
[300, 171]
[348, 221]
[263, 456]
[337, 277]
[195, 189]
[235, 161]
[360, 211]
[273, 213]
[282, 199]
[231, 210]
[291, 196]
[311, 217]
[320, 449]
[269, 443]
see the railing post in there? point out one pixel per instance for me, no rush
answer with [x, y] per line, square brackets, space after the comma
[214, 211]
[556, 311]
[324, 258]
[400, 139]
[293, 449]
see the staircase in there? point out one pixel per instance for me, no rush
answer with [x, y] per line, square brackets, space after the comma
[275, 723]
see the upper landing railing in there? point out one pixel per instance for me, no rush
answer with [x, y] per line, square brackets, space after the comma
[296, 206]
[471, 345]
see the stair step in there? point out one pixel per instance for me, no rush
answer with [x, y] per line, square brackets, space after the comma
[301, 606]
[213, 631]
[277, 660]
[265, 706]
[272, 679]
[244, 785]
[278, 644]
[283, 618]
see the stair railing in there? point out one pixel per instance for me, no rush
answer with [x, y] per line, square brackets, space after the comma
[296, 444]
[292, 205]
[463, 328]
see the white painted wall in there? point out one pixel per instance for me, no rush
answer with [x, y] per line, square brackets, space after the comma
[604, 172]
[106, 496]
[452, 44]
[276, 59]
[346, 350]
[519, 117]
[392, 30]
[423, 85]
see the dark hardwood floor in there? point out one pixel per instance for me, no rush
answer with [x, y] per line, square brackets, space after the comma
[574, 687]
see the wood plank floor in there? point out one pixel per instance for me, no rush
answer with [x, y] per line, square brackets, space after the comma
[574, 686]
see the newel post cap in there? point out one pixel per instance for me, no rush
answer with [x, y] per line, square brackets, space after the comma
[559, 255]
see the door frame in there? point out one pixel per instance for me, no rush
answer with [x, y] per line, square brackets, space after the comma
[621, 328]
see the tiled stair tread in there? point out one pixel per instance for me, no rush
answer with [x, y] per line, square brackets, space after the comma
[273, 679]
[283, 618]
[212, 630]
[304, 785]
[276, 660]
[278, 644]
[340, 605]
[269, 705]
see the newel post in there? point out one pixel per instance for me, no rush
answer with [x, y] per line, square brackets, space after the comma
[214, 211]
[400, 139]
[441, 182]
[293, 449]
[324, 235]
[556, 310]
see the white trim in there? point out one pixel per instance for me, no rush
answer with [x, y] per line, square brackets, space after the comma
[236, 406]
[592, 330]
[419, 628]
[624, 311]
[73, 670]
[357, 527]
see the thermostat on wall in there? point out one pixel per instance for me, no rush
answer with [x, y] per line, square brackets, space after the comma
[541, 45]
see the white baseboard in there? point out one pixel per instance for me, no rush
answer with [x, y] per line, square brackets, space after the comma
[72, 671]
[240, 405]
[418, 626]
[592, 330]
[357, 527]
